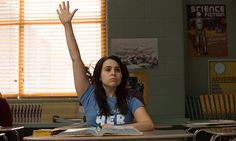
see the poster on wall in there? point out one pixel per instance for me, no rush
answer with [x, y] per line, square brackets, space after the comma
[207, 30]
[222, 76]
[136, 53]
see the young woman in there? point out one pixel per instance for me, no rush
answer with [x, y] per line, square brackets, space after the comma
[105, 98]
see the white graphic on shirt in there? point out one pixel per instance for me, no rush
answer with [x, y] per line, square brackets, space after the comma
[120, 119]
[110, 120]
[113, 119]
[100, 120]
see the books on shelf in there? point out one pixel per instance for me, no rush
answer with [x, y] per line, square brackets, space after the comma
[197, 108]
[217, 105]
[203, 106]
[190, 107]
[222, 106]
[227, 105]
[231, 104]
[93, 131]
[211, 106]
[208, 106]
[193, 108]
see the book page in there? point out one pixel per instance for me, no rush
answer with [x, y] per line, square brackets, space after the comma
[120, 130]
[91, 131]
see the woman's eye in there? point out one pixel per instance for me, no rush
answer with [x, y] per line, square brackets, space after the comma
[107, 69]
[117, 70]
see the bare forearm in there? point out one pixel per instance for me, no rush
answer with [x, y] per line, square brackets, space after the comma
[143, 126]
[80, 79]
[142, 120]
[71, 42]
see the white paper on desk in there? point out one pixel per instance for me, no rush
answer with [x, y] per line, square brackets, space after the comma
[223, 121]
[199, 123]
[211, 122]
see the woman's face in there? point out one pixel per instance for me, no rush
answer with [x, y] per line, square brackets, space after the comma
[111, 73]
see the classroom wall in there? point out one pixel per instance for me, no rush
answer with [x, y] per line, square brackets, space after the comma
[177, 74]
[162, 19]
[196, 68]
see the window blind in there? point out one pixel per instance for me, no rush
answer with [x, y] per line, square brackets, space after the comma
[34, 57]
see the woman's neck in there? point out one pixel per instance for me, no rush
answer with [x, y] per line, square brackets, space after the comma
[110, 91]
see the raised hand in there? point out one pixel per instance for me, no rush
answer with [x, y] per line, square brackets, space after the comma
[64, 14]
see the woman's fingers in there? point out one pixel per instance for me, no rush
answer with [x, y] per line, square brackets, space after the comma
[73, 13]
[60, 7]
[64, 12]
[68, 5]
[58, 13]
[64, 5]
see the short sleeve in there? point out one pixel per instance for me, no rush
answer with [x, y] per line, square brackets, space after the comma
[86, 97]
[135, 103]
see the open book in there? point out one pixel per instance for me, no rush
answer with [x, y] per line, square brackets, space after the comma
[93, 131]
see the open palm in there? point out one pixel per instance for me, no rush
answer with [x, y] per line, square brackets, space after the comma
[64, 14]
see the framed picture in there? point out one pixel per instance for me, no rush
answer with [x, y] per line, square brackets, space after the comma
[136, 53]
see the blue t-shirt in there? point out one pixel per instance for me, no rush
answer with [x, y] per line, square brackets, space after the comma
[91, 109]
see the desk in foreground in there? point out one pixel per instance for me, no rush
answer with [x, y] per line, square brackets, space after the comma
[3, 136]
[163, 135]
[13, 130]
[229, 132]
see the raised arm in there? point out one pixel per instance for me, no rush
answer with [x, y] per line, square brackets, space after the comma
[80, 79]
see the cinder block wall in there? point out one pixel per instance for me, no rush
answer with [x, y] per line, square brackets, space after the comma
[161, 19]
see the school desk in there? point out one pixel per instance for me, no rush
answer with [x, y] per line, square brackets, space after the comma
[157, 135]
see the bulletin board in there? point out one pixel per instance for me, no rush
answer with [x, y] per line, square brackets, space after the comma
[222, 76]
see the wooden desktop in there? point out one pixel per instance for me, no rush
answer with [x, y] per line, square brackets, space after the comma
[157, 135]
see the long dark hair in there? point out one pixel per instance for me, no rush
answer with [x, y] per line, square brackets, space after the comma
[121, 90]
